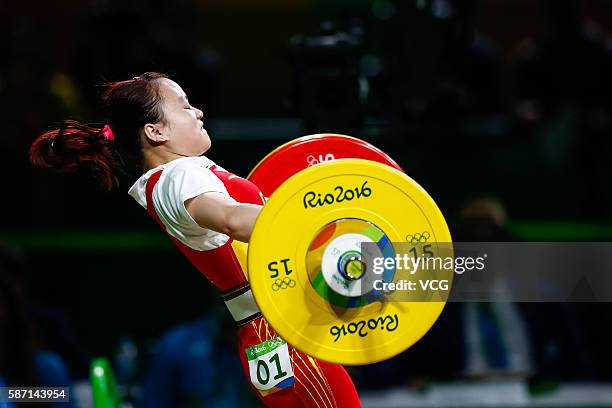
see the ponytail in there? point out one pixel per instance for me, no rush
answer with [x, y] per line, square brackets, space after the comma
[129, 106]
[75, 145]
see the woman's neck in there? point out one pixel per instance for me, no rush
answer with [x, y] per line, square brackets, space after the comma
[156, 157]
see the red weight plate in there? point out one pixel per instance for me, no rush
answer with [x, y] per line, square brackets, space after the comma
[306, 151]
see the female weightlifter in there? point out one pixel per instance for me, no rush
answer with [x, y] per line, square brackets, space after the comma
[206, 211]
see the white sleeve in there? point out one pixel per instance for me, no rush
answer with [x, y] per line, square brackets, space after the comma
[179, 182]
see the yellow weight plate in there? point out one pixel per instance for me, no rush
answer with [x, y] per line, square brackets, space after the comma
[313, 222]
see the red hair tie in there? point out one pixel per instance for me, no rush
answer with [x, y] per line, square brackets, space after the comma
[108, 133]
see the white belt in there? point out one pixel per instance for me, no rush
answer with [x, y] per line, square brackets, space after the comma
[243, 307]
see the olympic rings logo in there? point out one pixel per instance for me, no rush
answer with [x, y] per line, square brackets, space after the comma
[284, 283]
[418, 237]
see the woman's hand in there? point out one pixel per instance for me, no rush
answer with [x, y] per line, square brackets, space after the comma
[218, 212]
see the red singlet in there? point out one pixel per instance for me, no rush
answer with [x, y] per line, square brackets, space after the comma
[317, 384]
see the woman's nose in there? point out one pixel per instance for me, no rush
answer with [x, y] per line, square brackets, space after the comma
[199, 113]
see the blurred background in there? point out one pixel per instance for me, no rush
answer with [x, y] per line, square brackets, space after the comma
[499, 108]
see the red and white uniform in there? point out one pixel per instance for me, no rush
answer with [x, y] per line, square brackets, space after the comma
[222, 260]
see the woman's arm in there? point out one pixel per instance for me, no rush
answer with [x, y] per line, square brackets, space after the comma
[220, 213]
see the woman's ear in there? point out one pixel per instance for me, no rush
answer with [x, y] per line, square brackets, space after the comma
[155, 132]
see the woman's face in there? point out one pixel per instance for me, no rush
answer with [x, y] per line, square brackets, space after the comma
[185, 133]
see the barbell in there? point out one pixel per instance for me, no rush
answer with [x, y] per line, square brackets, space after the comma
[304, 256]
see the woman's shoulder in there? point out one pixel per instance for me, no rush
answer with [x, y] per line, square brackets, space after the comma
[170, 169]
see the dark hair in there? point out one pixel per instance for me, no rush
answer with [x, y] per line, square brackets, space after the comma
[129, 105]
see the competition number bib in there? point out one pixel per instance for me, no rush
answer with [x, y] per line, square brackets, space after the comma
[270, 366]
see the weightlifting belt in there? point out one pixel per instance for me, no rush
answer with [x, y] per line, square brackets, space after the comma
[241, 304]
